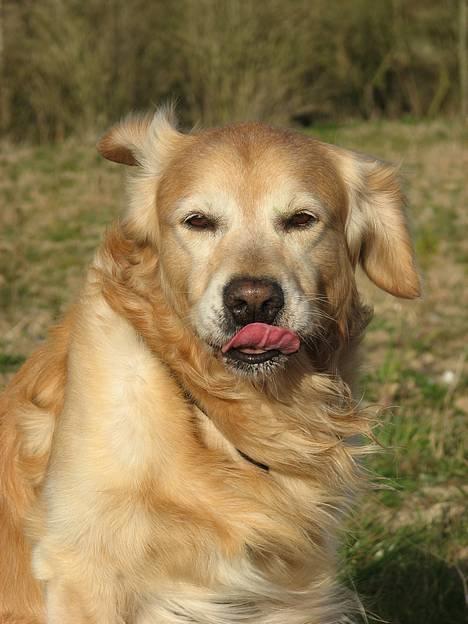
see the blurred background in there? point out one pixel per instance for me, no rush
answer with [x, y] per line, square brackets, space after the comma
[70, 65]
[386, 77]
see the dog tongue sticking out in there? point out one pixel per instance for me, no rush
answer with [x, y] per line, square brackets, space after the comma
[260, 337]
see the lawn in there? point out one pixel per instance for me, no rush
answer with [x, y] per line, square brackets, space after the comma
[406, 546]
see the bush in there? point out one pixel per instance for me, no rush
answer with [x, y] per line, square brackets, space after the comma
[67, 65]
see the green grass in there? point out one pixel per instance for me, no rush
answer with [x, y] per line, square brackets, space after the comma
[10, 362]
[406, 546]
[403, 578]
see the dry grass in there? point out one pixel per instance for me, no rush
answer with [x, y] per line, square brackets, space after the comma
[407, 547]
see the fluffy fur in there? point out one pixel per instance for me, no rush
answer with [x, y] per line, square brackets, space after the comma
[124, 496]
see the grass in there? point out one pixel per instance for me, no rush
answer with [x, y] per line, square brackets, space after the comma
[406, 547]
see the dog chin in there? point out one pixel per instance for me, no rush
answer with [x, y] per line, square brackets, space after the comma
[250, 367]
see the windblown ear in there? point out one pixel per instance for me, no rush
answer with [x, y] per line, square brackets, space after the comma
[376, 229]
[137, 138]
[148, 142]
[123, 143]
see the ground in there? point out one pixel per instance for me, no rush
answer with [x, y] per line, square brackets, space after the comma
[406, 546]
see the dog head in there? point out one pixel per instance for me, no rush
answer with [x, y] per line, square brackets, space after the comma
[258, 231]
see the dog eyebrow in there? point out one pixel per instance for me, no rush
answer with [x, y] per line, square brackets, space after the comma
[304, 201]
[181, 204]
[192, 204]
[305, 197]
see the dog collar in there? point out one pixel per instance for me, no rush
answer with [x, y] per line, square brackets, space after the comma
[252, 461]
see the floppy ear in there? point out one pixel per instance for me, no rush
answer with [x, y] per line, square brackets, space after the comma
[138, 139]
[376, 228]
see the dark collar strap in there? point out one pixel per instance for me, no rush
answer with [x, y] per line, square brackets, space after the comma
[244, 455]
[253, 461]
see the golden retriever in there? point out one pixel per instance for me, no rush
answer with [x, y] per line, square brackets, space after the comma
[184, 445]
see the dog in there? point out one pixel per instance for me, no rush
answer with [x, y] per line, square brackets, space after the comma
[185, 444]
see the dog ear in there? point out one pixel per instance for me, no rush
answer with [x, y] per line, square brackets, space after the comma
[137, 139]
[146, 142]
[376, 228]
[124, 142]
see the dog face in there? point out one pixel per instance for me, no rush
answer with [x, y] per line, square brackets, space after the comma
[258, 232]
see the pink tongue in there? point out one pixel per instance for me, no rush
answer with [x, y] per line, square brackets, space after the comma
[264, 337]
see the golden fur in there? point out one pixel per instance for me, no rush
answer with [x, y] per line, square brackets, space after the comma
[124, 496]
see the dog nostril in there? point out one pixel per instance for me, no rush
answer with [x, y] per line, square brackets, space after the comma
[239, 307]
[268, 307]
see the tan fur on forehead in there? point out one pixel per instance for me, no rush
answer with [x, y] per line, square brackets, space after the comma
[304, 157]
[250, 159]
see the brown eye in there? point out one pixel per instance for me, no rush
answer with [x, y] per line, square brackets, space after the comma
[300, 220]
[199, 222]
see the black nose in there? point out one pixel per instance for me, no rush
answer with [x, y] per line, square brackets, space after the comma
[252, 300]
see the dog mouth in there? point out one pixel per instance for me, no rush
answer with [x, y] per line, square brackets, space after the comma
[257, 343]
[249, 356]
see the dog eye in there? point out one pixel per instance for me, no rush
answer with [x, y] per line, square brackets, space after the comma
[199, 222]
[301, 219]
